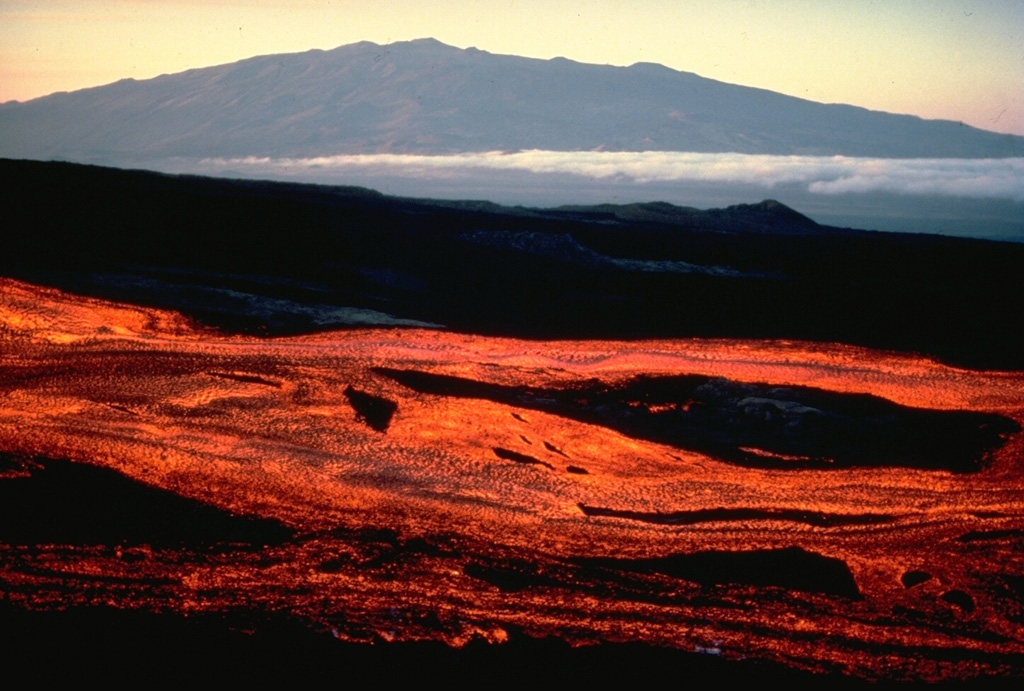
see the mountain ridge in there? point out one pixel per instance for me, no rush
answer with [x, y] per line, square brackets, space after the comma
[425, 97]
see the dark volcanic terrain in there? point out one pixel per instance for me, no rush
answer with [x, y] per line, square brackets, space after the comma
[278, 258]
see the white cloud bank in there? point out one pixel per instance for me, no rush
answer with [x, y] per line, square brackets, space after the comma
[1001, 178]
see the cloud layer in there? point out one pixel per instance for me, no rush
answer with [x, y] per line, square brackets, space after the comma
[1001, 178]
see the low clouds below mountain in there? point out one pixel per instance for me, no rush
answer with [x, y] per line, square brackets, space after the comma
[1001, 178]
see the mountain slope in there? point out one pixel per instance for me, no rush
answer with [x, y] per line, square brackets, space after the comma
[425, 97]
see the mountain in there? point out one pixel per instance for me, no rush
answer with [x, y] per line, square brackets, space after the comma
[425, 97]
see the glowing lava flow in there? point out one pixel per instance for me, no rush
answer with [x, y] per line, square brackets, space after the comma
[404, 515]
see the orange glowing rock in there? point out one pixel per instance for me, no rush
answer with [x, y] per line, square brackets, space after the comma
[460, 518]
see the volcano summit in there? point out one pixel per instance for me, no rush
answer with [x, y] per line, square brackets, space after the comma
[425, 97]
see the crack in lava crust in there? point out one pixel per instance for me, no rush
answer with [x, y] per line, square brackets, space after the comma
[403, 515]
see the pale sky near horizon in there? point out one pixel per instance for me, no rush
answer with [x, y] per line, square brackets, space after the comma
[952, 59]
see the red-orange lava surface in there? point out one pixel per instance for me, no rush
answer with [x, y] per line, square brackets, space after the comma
[424, 531]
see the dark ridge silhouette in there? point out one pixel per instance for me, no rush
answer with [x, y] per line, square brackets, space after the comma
[515, 456]
[754, 425]
[46, 501]
[792, 568]
[375, 411]
[762, 217]
[719, 515]
[274, 258]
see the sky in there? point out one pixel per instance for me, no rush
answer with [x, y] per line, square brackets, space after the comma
[954, 59]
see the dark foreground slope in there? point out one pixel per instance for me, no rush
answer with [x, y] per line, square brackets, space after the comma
[120, 646]
[278, 258]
